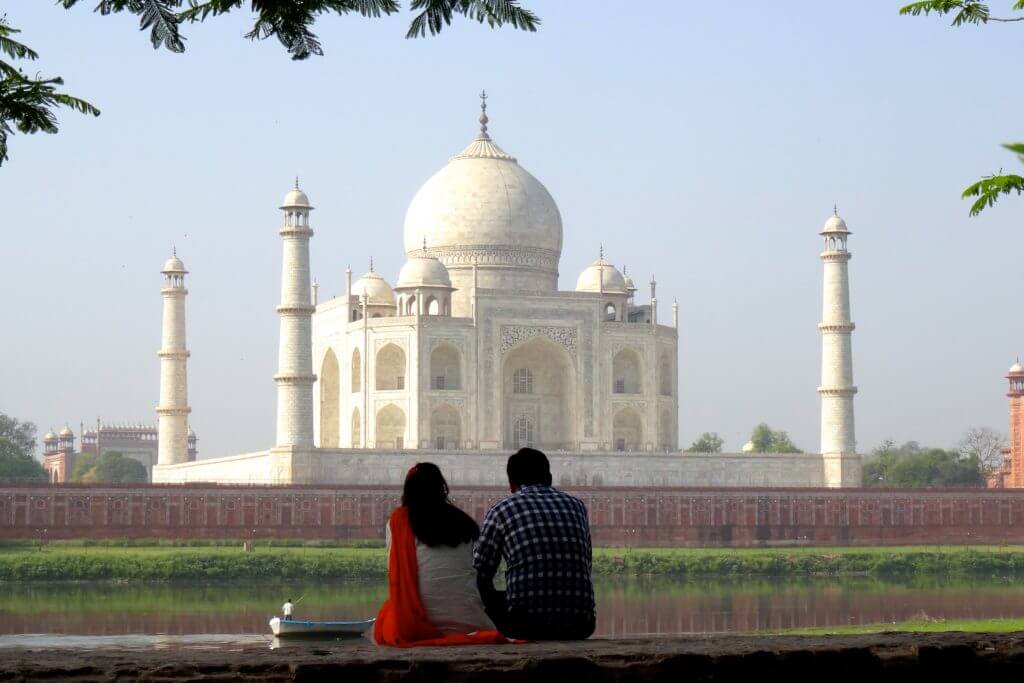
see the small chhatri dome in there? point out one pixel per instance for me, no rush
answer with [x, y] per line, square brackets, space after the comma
[423, 271]
[1017, 368]
[376, 289]
[50, 436]
[834, 224]
[296, 198]
[590, 280]
[173, 265]
[66, 431]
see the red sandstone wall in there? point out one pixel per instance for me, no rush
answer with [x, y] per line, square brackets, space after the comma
[634, 517]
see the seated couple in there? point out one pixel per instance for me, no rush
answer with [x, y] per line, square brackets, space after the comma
[441, 566]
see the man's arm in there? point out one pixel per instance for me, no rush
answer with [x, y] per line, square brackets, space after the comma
[487, 555]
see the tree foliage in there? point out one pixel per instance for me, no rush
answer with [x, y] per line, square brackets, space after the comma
[113, 466]
[990, 188]
[17, 445]
[766, 440]
[27, 103]
[708, 442]
[911, 465]
[984, 444]
[291, 21]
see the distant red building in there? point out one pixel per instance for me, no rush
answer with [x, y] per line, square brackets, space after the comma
[1011, 474]
[138, 442]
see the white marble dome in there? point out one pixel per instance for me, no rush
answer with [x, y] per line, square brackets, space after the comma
[173, 265]
[376, 289]
[423, 271]
[50, 436]
[834, 224]
[66, 431]
[591, 278]
[1016, 368]
[296, 198]
[484, 206]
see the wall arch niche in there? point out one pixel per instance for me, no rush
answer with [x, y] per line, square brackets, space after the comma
[390, 427]
[539, 396]
[445, 428]
[626, 377]
[357, 371]
[357, 430]
[390, 368]
[666, 431]
[627, 430]
[666, 373]
[445, 368]
[330, 397]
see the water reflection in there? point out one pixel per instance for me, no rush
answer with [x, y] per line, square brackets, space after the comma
[625, 608]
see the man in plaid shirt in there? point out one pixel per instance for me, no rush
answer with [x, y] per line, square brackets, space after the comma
[544, 537]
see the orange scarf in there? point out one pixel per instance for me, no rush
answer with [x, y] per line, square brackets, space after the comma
[402, 621]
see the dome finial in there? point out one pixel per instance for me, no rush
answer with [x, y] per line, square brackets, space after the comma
[835, 209]
[174, 250]
[296, 182]
[483, 116]
[424, 245]
[600, 250]
[371, 264]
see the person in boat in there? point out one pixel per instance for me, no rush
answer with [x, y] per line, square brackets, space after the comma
[432, 595]
[287, 609]
[543, 535]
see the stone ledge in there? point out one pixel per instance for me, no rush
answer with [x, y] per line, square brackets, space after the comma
[876, 658]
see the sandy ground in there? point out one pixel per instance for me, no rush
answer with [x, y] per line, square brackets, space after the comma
[969, 658]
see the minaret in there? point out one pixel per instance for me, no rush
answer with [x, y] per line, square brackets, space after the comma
[1013, 467]
[295, 376]
[838, 444]
[172, 412]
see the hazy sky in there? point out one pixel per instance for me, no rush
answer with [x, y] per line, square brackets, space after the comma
[702, 142]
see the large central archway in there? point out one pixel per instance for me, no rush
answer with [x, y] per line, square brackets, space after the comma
[539, 396]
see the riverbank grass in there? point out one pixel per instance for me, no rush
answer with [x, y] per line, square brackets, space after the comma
[55, 562]
[923, 624]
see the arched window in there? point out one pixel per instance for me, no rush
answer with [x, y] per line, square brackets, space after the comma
[390, 368]
[665, 374]
[627, 430]
[445, 428]
[609, 311]
[524, 432]
[390, 427]
[626, 372]
[330, 390]
[522, 381]
[445, 370]
[433, 307]
[357, 371]
[357, 430]
[411, 306]
[356, 314]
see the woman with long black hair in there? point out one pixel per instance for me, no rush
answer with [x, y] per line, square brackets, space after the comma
[432, 587]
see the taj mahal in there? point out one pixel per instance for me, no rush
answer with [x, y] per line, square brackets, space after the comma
[474, 351]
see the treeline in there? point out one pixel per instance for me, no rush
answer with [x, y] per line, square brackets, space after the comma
[321, 564]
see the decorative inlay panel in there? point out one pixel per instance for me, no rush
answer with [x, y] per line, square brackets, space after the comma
[513, 335]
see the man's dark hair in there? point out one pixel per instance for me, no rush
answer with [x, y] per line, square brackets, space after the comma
[529, 466]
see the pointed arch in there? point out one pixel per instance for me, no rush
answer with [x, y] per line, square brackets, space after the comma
[666, 430]
[357, 371]
[390, 427]
[356, 440]
[445, 368]
[627, 430]
[445, 427]
[330, 397]
[626, 377]
[666, 374]
[539, 385]
[390, 370]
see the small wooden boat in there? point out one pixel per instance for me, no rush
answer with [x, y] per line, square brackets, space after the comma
[294, 628]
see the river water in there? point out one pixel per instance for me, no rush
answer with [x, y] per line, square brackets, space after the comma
[142, 613]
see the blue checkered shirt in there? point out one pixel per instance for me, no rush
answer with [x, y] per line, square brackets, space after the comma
[544, 537]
